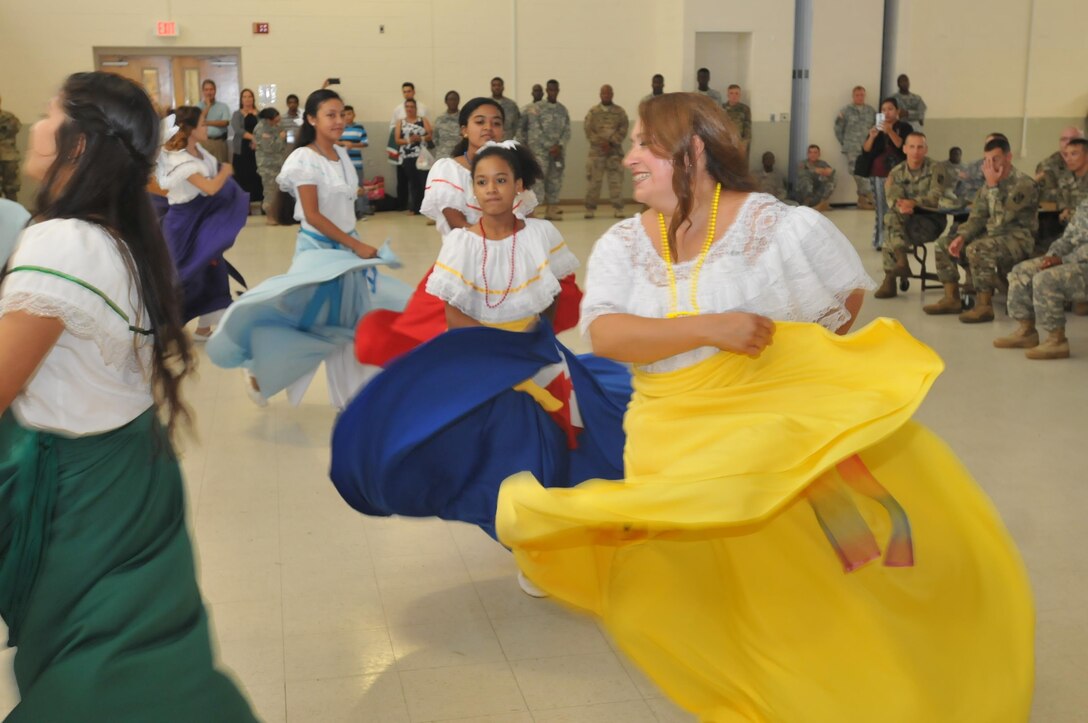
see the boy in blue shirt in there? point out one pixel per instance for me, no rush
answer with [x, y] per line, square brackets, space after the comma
[354, 139]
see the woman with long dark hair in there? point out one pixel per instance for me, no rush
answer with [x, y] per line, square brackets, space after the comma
[786, 544]
[206, 211]
[97, 584]
[882, 151]
[282, 330]
[244, 148]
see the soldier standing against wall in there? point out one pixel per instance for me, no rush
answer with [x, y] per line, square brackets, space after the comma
[549, 134]
[851, 129]
[511, 115]
[606, 127]
[911, 106]
[702, 80]
[657, 87]
[9, 155]
[522, 128]
[741, 115]
[447, 127]
[271, 148]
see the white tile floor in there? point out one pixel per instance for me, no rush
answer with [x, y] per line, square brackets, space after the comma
[325, 615]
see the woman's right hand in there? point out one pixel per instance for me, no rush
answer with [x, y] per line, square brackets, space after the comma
[874, 132]
[740, 332]
[365, 251]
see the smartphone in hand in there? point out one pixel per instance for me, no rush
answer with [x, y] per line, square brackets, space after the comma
[332, 81]
[880, 121]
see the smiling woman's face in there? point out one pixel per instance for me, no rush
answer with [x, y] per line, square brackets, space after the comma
[651, 174]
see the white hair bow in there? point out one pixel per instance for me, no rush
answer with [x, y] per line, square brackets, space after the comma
[168, 128]
[510, 145]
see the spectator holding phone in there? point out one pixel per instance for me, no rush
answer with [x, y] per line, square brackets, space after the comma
[881, 152]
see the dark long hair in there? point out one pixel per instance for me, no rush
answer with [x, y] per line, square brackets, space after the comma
[466, 112]
[106, 150]
[669, 123]
[186, 118]
[307, 134]
[520, 159]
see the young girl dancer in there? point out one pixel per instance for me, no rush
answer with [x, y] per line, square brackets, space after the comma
[449, 200]
[282, 330]
[97, 584]
[437, 431]
[206, 212]
[739, 562]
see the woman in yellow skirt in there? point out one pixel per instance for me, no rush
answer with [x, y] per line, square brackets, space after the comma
[787, 544]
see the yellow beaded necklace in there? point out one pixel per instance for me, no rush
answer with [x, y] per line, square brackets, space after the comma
[712, 223]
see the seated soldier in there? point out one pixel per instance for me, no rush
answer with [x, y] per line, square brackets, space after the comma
[769, 180]
[1040, 288]
[1053, 167]
[1073, 185]
[955, 171]
[914, 190]
[815, 181]
[999, 233]
[972, 172]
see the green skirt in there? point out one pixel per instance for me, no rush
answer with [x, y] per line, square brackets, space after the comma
[97, 584]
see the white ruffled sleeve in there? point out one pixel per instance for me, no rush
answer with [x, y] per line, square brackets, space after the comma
[820, 266]
[446, 188]
[561, 260]
[177, 171]
[609, 277]
[525, 204]
[455, 268]
[56, 271]
[302, 168]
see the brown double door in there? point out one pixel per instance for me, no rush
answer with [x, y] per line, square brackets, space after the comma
[175, 80]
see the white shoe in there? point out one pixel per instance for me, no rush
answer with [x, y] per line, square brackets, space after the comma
[253, 389]
[528, 587]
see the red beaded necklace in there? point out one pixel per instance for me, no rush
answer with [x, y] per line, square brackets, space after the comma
[483, 267]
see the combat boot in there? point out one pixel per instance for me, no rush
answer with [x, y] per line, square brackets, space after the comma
[1056, 346]
[983, 311]
[887, 288]
[1080, 308]
[823, 206]
[551, 214]
[1025, 337]
[590, 213]
[902, 268]
[865, 203]
[948, 304]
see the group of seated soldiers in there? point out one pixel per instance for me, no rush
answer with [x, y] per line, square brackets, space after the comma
[1032, 232]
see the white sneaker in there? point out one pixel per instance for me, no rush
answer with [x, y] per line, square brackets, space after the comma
[253, 389]
[528, 587]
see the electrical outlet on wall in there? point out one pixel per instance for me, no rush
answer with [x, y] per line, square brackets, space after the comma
[381, 29]
[783, 117]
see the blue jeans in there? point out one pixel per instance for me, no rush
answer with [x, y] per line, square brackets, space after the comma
[881, 205]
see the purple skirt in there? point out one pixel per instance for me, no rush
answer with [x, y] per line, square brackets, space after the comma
[198, 233]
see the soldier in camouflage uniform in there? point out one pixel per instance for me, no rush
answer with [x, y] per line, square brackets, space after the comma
[769, 180]
[271, 149]
[657, 87]
[1052, 168]
[852, 129]
[999, 234]
[447, 127]
[606, 128]
[511, 116]
[912, 187]
[1040, 288]
[9, 155]
[911, 106]
[953, 170]
[1073, 185]
[522, 129]
[815, 181]
[741, 115]
[549, 134]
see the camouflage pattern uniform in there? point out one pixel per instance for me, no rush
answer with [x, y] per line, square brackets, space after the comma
[9, 156]
[1041, 294]
[1071, 191]
[999, 233]
[549, 125]
[605, 124]
[741, 115]
[954, 196]
[521, 134]
[914, 105]
[812, 188]
[271, 151]
[1053, 168]
[511, 117]
[924, 186]
[447, 134]
[851, 129]
[974, 181]
[771, 182]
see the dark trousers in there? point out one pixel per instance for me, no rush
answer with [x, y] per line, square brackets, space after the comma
[410, 185]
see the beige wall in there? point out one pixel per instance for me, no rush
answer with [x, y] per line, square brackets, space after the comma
[970, 65]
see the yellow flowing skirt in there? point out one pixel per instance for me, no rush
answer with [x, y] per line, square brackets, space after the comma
[739, 563]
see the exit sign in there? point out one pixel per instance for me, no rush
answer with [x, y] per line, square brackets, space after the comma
[260, 28]
[166, 29]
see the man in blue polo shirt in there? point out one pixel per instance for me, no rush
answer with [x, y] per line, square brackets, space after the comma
[354, 139]
[216, 117]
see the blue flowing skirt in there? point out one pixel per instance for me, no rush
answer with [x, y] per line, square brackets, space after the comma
[284, 327]
[437, 432]
[198, 233]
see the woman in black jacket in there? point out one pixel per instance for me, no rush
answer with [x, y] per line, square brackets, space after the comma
[882, 151]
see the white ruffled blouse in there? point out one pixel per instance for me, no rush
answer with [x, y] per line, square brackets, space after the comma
[784, 262]
[463, 280]
[97, 376]
[449, 185]
[176, 167]
[337, 185]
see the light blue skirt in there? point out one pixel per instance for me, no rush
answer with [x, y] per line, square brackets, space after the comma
[284, 327]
